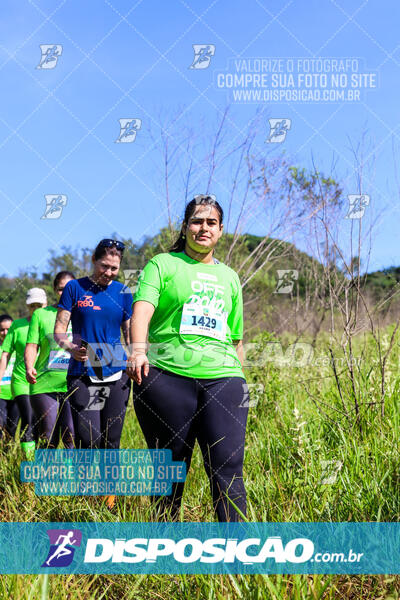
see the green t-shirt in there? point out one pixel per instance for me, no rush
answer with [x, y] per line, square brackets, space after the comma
[15, 341]
[198, 313]
[5, 383]
[52, 361]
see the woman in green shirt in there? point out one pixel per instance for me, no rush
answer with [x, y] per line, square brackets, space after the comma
[9, 413]
[190, 306]
[15, 341]
[46, 371]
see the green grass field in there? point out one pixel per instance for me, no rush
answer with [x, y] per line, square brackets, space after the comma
[307, 459]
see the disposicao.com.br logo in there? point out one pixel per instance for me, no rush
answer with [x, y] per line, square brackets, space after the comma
[190, 550]
[205, 548]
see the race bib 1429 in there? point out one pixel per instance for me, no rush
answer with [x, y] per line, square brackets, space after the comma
[201, 320]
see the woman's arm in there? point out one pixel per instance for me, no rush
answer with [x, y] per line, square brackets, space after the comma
[30, 355]
[141, 317]
[61, 337]
[126, 332]
[239, 350]
[142, 313]
[60, 329]
[5, 357]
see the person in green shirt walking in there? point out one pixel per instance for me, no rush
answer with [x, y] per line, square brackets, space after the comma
[15, 341]
[190, 307]
[46, 371]
[9, 413]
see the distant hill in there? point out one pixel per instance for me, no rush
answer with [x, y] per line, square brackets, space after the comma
[383, 283]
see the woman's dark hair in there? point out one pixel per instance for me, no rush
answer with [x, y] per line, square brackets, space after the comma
[179, 244]
[102, 250]
[5, 317]
[60, 276]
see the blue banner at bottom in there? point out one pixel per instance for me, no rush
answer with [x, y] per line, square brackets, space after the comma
[201, 548]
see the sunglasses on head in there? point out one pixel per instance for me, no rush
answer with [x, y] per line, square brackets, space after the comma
[109, 243]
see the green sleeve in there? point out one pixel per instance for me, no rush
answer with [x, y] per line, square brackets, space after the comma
[149, 284]
[33, 336]
[9, 341]
[235, 318]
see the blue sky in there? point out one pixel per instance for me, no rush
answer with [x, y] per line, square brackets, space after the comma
[125, 59]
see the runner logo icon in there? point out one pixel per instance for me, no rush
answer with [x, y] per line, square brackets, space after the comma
[128, 130]
[54, 206]
[50, 55]
[202, 56]
[357, 205]
[62, 542]
[278, 130]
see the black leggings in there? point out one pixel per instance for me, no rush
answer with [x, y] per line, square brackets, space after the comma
[173, 411]
[52, 417]
[9, 417]
[98, 411]
[28, 430]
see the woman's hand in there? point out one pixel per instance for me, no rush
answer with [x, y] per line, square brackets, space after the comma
[239, 351]
[78, 353]
[31, 374]
[134, 365]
